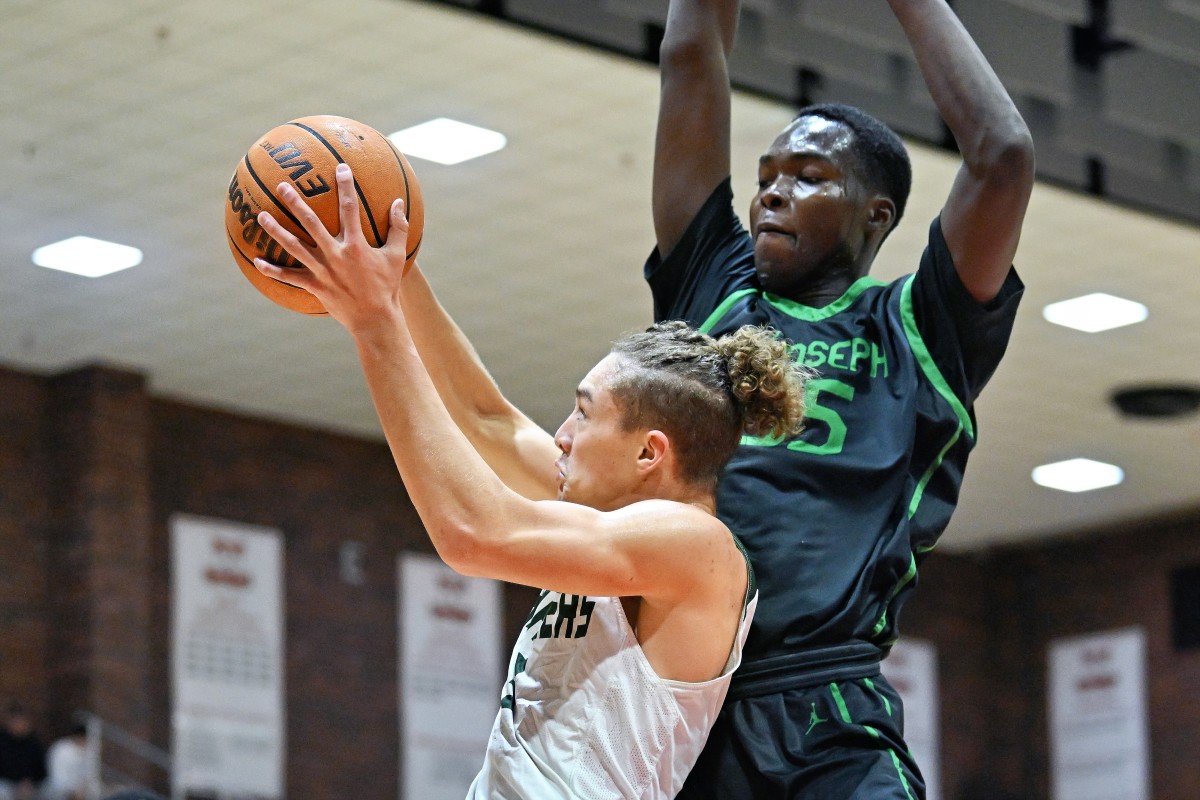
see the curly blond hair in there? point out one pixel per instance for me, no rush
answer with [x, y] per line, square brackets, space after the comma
[704, 393]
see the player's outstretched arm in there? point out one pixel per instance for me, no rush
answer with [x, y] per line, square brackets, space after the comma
[520, 452]
[481, 527]
[678, 559]
[477, 523]
[983, 214]
[691, 149]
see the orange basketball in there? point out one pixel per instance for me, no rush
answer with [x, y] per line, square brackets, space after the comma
[306, 152]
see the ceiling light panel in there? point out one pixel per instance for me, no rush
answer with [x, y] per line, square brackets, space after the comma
[1095, 312]
[1078, 475]
[447, 141]
[83, 255]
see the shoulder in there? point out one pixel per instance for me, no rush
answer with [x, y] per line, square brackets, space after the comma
[714, 235]
[939, 269]
[687, 539]
[675, 518]
[669, 527]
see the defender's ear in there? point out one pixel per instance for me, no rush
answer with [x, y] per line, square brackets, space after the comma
[881, 213]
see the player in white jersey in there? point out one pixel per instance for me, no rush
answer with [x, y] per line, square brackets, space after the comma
[624, 663]
[585, 714]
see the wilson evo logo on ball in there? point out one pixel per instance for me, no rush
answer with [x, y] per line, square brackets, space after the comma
[305, 152]
[289, 157]
[252, 233]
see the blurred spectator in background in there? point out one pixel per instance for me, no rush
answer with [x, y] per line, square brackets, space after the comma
[66, 767]
[22, 757]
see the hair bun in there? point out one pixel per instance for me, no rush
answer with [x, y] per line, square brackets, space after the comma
[767, 382]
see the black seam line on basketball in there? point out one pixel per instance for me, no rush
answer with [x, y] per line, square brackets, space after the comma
[250, 261]
[414, 250]
[403, 172]
[270, 194]
[361, 197]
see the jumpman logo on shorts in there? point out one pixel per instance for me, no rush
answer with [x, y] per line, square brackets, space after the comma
[814, 719]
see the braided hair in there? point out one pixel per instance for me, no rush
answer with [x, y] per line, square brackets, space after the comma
[705, 393]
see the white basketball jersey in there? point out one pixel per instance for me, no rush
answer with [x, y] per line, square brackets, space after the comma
[585, 717]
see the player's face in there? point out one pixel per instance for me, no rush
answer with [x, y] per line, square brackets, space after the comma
[808, 215]
[597, 465]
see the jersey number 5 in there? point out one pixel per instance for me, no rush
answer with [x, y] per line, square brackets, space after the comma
[816, 411]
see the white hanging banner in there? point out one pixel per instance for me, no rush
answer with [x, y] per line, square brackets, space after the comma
[1099, 745]
[450, 676]
[227, 716]
[911, 669]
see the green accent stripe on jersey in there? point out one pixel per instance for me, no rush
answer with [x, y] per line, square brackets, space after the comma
[791, 307]
[845, 713]
[904, 579]
[937, 462]
[720, 311]
[887, 705]
[926, 360]
[810, 314]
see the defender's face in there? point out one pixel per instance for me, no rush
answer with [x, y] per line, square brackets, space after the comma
[807, 216]
[597, 465]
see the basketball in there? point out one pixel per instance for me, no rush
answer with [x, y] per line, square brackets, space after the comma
[305, 152]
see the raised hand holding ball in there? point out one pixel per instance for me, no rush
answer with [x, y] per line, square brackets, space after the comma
[304, 153]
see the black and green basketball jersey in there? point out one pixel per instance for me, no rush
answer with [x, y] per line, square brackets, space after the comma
[838, 519]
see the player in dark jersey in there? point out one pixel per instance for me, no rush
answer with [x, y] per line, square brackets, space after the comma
[837, 520]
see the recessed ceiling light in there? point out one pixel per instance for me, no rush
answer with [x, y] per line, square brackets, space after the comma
[1078, 475]
[447, 141]
[83, 255]
[1095, 312]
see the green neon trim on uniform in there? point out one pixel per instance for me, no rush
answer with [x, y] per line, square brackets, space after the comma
[937, 462]
[900, 772]
[926, 360]
[895, 761]
[887, 706]
[791, 307]
[810, 314]
[841, 704]
[845, 712]
[908, 576]
[723, 309]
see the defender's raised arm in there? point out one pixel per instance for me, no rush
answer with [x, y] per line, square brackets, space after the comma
[983, 214]
[691, 149]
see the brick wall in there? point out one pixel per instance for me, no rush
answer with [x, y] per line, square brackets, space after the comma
[24, 524]
[1118, 581]
[992, 618]
[321, 490]
[97, 439]
[94, 467]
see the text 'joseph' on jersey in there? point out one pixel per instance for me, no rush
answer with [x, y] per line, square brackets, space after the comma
[837, 519]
